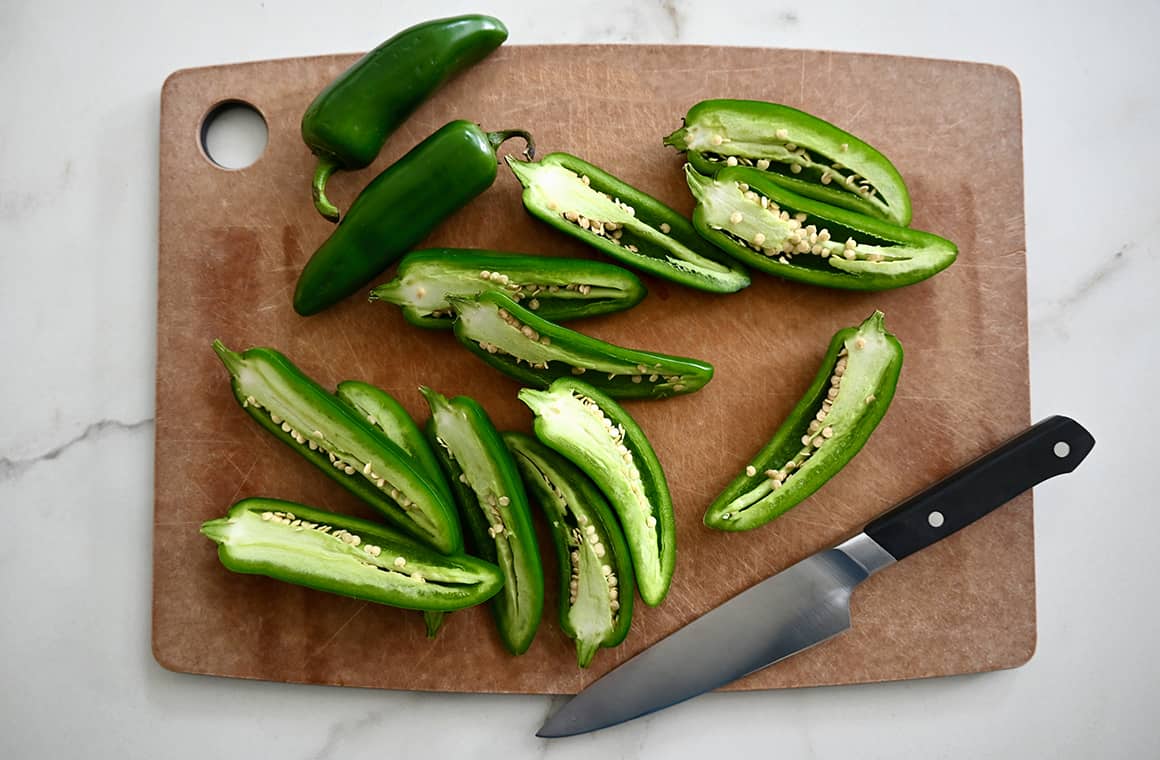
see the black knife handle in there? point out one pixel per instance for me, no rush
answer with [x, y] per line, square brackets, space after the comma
[1052, 447]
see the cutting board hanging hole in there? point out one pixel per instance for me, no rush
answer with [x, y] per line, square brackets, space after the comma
[233, 134]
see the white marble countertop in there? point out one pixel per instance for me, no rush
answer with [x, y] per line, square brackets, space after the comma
[80, 89]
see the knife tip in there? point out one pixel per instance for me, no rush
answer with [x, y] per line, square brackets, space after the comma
[557, 727]
[548, 732]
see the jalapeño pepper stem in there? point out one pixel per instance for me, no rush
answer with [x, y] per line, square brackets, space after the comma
[397, 209]
[501, 136]
[232, 359]
[350, 120]
[322, 172]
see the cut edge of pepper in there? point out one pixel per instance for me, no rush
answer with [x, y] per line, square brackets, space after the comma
[434, 521]
[675, 375]
[708, 270]
[924, 254]
[520, 622]
[538, 458]
[717, 515]
[645, 462]
[893, 202]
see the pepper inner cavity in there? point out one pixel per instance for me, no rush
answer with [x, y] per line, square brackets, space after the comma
[491, 504]
[590, 573]
[626, 463]
[346, 463]
[499, 332]
[572, 197]
[781, 154]
[527, 291]
[754, 220]
[374, 555]
[533, 291]
[818, 433]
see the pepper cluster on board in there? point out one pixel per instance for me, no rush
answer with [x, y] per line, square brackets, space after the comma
[777, 190]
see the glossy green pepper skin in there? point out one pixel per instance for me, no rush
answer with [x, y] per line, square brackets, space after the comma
[345, 555]
[846, 401]
[797, 150]
[555, 288]
[298, 412]
[620, 221]
[495, 508]
[385, 414]
[761, 223]
[522, 345]
[349, 121]
[399, 208]
[596, 578]
[598, 436]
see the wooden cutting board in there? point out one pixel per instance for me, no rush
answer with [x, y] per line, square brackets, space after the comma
[233, 242]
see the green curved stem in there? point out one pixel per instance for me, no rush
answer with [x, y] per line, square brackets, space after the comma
[498, 138]
[322, 172]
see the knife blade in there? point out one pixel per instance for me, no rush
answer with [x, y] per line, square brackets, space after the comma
[809, 602]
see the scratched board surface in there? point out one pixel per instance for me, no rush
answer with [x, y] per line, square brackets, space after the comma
[233, 242]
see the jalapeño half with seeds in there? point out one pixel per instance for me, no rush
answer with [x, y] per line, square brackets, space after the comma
[620, 221]
[345, 555]
[555, 288]
[596, 584]
[599, 437]
[846, 401]
[757, 221]
[795, 149]
[495, 508]
[385, 414]
[298, 412]
[521, 344]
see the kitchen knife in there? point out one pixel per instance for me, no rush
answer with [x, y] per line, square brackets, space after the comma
[809, 602]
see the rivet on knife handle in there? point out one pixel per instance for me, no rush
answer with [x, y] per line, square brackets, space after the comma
[1052, 447]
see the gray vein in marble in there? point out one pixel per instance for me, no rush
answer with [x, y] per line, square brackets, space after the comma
[11, 468]
[343, 730]
[645, 726]
[1061, 306]
[553, 704]
[671, 9]
[662, 21]
[19, 204]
